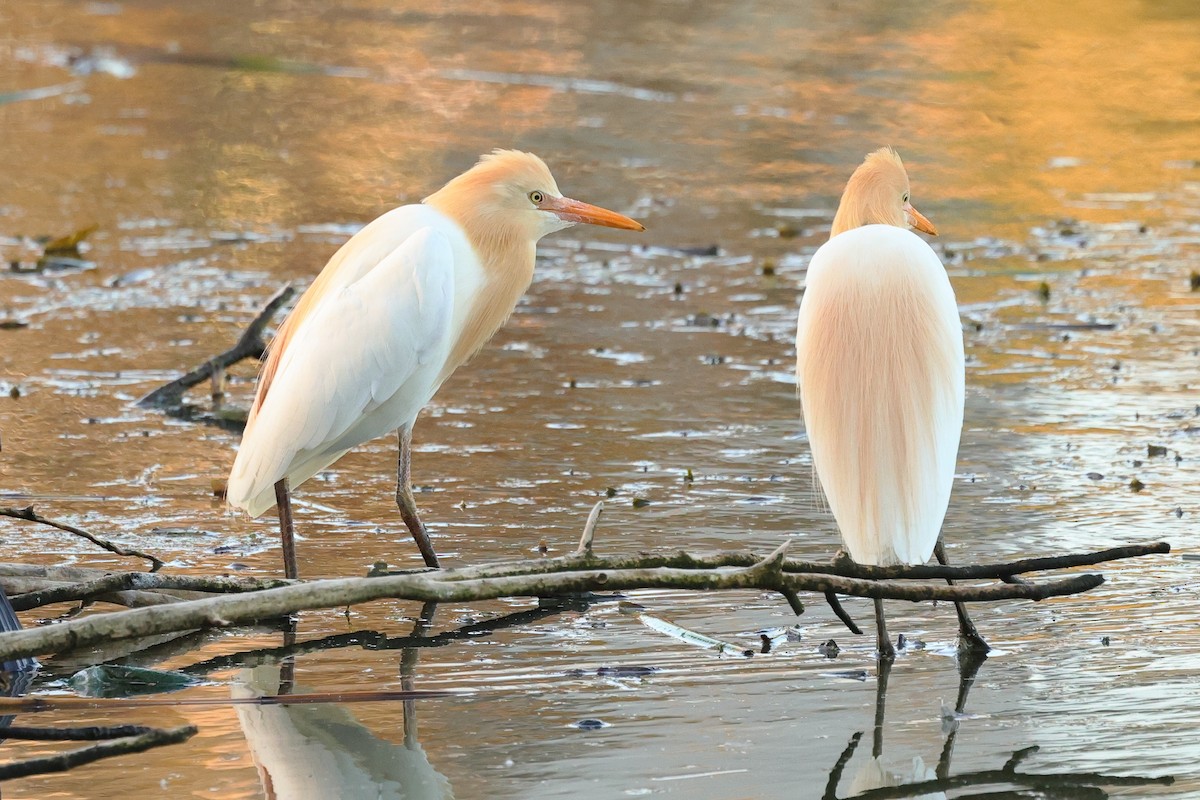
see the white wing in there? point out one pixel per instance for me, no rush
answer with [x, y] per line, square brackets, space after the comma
[879, 362]
[363, 363]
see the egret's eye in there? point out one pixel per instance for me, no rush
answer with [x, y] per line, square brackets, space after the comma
[536, 198]
[906, 197]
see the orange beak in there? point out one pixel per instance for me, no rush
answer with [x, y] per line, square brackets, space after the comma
[918, 220]
[574, 211]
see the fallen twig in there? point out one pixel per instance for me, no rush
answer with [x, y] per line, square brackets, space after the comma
[249, 345]
[29, 514]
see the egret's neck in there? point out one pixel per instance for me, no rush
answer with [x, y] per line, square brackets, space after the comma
[504, 257]
[855, 214]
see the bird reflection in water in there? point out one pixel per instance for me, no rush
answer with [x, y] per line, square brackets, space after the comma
[323, 751]
[875, 781]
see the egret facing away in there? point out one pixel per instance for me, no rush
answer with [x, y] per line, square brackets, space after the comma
[397, 309]
[880, 369]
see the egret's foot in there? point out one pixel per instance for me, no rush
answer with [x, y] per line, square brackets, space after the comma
[971, 643]
[969, 639]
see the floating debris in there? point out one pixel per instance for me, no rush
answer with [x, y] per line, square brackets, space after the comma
[116, 680]
[590, 724]
[626, 672]
[1153, 450]
[1136, 486]
[690, 637]
[829, 649]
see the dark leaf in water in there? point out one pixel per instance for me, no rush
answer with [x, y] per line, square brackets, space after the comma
[1096, 476]
[1153, 450]
[13, 324]
[626, 672]
[1136, 486]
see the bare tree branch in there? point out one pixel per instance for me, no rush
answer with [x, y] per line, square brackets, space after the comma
[29, 514]
[249, 345]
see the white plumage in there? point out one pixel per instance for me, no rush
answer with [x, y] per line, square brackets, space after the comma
[366, 359]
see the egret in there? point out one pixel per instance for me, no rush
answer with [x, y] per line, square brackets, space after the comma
[880, 372]
[397, 309]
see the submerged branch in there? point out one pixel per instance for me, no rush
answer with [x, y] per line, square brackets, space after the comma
[29, 514]
[130, 739]
[250, 345]
[36, 705]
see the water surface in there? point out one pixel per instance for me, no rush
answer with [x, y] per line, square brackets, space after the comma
[224, 150]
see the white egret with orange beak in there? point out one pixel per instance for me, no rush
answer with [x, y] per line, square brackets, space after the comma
[397, 309]
[880, 369]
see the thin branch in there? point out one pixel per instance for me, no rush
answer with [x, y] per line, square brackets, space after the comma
[89, 733]
[61, 762]
[29, 514]
[249, 345]
[838, 567]
[37, 705]
[589, 530]
[1002, 570]
[840, 611]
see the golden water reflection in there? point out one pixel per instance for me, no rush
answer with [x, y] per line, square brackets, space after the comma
[1051, 144]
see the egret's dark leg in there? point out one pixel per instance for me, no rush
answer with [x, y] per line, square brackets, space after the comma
[283, 502]
[969, 638]
[886, 651]
[408, 506]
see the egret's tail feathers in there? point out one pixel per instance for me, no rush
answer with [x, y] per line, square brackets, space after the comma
[254, 491]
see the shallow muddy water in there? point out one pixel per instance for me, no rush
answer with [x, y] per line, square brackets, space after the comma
[226, 149]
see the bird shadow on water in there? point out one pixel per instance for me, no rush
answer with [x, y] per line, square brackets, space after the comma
[322, 751]
[873, 781]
